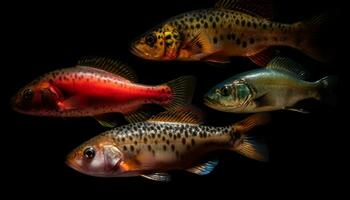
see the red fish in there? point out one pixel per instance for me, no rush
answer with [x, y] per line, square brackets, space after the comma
[97, 86]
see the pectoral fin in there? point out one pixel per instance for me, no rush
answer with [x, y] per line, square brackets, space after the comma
[163, 177]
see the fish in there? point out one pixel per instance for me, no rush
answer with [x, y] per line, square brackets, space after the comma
[279, 86]
[172, 140]
[232, 28]
[99, 87]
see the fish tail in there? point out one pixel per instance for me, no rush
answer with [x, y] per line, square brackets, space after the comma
[327, 87]
[182, 90]
[251, 146]
[311, 38]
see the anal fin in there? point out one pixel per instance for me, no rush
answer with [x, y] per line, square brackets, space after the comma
[263, 57]
[205, 168]
[137, 116]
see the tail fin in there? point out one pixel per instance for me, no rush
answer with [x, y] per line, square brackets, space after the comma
[252, 147]
[312, 40]
[327, 87]
[182, 90]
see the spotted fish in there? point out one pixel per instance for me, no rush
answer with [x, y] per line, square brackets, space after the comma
[173, 140]
[281, 85]
[97, 87]
[232, 28]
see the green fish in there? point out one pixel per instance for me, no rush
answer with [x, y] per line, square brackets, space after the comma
[231, 28]
[279, 86]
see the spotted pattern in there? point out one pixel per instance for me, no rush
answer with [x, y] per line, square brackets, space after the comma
[227, 26]
[177, 139]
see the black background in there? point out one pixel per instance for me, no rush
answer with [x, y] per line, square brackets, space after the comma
[304, 148]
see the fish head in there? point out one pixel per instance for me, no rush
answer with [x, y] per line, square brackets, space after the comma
[96, 157]
[37, 98]
[161, 43]
[230, 95]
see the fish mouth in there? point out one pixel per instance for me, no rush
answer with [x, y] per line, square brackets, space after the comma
[73, 165]
[138, 52]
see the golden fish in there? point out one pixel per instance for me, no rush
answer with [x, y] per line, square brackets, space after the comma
[231, 28]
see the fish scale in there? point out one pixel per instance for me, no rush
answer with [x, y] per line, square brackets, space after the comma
[163, 135]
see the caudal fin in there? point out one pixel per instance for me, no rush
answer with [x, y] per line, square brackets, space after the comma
[182, 90]
[252, 146]
[327, 87]
[312, 39]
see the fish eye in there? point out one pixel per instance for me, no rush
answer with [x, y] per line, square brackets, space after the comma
[28, 94]
[89, 153]
[151, 39]
[225, 91]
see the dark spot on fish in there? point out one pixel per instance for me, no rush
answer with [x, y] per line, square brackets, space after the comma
[205, 25]
[164, 147]
[135, 142]
[172, 147]
[177, 154]
[243, 23]
[248, 23]
[198, 25]
[125, 148]
[168, 142]
[145, 140]
[251, 41]
[244, 44]
[214, 25]
[192, 27]
[163, 138]
[153, 152]
[210, 18]
[215, 40]
[191, 19]
[238, 41]
[132, 148]
[123, 139]
[229, 36]
[217, 18]
[237, 21]
[254, 25]
[264, 26]
[233, 36]
[149, 147]
[183, 141]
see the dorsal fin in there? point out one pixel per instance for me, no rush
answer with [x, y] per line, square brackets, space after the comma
[109, 65]
[289, 66]
[262, 8]
[182, 115]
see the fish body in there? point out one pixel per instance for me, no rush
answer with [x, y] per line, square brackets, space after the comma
[152, 147]
[90, 91]
[277, 87]
[219, 33]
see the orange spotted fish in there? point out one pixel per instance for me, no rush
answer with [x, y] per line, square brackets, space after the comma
[96, 87]
[173, 140]
[231, 28]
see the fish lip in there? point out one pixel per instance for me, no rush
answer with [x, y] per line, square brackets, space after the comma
[73, 165]
[137, 52]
